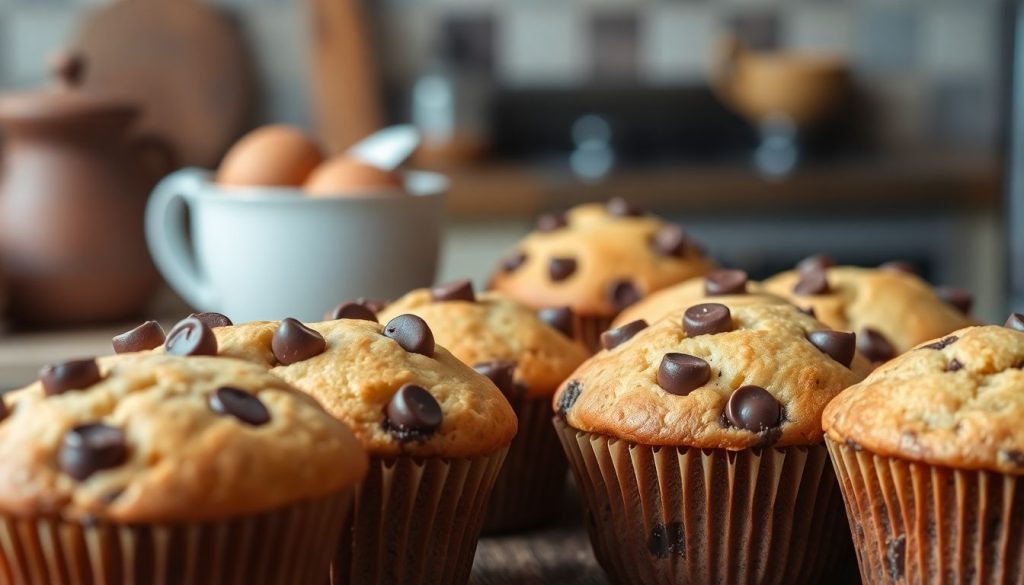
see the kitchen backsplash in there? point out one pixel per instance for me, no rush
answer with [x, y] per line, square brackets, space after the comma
[929, 69]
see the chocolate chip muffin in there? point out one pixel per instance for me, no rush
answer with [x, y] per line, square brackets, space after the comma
[889, 308]
[597, 260]
[929, 450]
[436, 430]
[694, 441]
[175, 468]
[729, 286]
[527, 360]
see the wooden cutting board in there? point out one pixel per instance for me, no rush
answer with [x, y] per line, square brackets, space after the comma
[183, 61]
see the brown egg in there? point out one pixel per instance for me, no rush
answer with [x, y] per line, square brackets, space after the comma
[269, 156]
[342, 176]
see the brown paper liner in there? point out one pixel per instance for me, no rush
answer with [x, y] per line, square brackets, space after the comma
[528, 492]
[919, 523]
[666, 515]
[589, 329]
[416, 521]
[288, 545]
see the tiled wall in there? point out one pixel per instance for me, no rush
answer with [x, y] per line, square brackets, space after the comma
[930, 68]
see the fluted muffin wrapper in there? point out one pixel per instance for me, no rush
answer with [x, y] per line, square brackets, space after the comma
[528, 491]
[669, 515]
[416, 521]
[918, 523]
[293, 544]
[589, 328]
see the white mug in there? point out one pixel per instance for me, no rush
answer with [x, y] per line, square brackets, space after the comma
[267, 253]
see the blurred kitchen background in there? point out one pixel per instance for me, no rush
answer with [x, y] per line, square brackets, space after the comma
[868, 129]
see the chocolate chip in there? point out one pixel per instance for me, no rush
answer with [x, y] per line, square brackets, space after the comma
[513, 262]
[623, 293]
[550, 222]
[71, 375]
[960, 299]
[294, 342]
[942, 343]
[681, 374]
[458, 290]
[707, 319]
[413, 413]
[838, 345]
[753, 408]
[898, 266]
[666, 541]
[191, 337]
[239, 404]
[619, 207]
[725, 281]
[501, 372]
[615, 337]
[815, 263]
[812, 282]
[1015, 321]
[149, 335]
[1014, 457]
[568, 397]
[895, 557]
[353, 310]
[561, 268]
[89, 448]
[874, 345]
[212, 320]
[670, 240]
[954, 365]
[809, 311]
[558, 318]
[412, 333]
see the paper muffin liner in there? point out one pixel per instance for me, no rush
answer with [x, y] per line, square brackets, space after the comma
[589, 329]
[294, 544]
[668, 515]
[528, 492]
[919, 523]
[416, 521]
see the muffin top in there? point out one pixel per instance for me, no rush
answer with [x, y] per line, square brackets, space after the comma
[598, 259]
[154, 438]
[731, 287]
[957, 401]
[890, 310]
[715, 377]
[495, 335]
[397, 390]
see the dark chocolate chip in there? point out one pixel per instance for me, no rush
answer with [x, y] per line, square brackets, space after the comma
[707, 319]
[615, 337]
[812, 282]
[413, 413]
[874, 345]
[895, 557]
[1014, 457]
[1015, 321]
[212, 320]
[458, 290]
[619, 207]
[239, 404]
[809, 311]
[513, 262]
[753, 408]
[191, 337]
[558, 318]
[501, 372]
[815, 263]
[671, 240]
[91, 447]
[725, 281]
[623, 293]
[412, 333]
[561, 268]
[71, 375]
[294, 342]
[149, 335]
[942, 343]
[681, 374]
[353, 310]
[954, 365]
[960, 299]
[838, 345]
[898, 266]
[550, 222]
[667, 541]
[568, 397]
